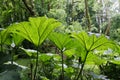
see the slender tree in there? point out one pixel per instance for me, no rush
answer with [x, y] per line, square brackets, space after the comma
[87, 15]
[29, 6]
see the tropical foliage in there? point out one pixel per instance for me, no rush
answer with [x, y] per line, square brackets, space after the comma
[58, 40]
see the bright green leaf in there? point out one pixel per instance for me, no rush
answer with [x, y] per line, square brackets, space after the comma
[37, 29]
[61, 40]
[30, 52]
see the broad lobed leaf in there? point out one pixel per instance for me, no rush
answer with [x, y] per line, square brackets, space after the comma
[92, 42]
[61, 40]
[36, 30]
[87, 44]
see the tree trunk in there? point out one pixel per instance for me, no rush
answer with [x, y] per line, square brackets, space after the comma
[29, 7]
[87, 15]
[108, 28]
[42, 3]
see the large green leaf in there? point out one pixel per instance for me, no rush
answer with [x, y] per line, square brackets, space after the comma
[45, 57]
[7, 37]
[30, 52]
[62, 41]
[70, 52]
[4, 35]
[115, 61]
[37, 29]
[95, 59]
[16, 39]
[90, 43]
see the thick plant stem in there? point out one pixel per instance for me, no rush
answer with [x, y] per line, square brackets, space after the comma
[13, 51]
[12, 55]
[62, 65]
[77, 71]
[1, 43]
[36, 66]
[82, 66]
[31, 71]
[1, 48]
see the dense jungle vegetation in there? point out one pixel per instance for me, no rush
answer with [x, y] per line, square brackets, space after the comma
[59, 40]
